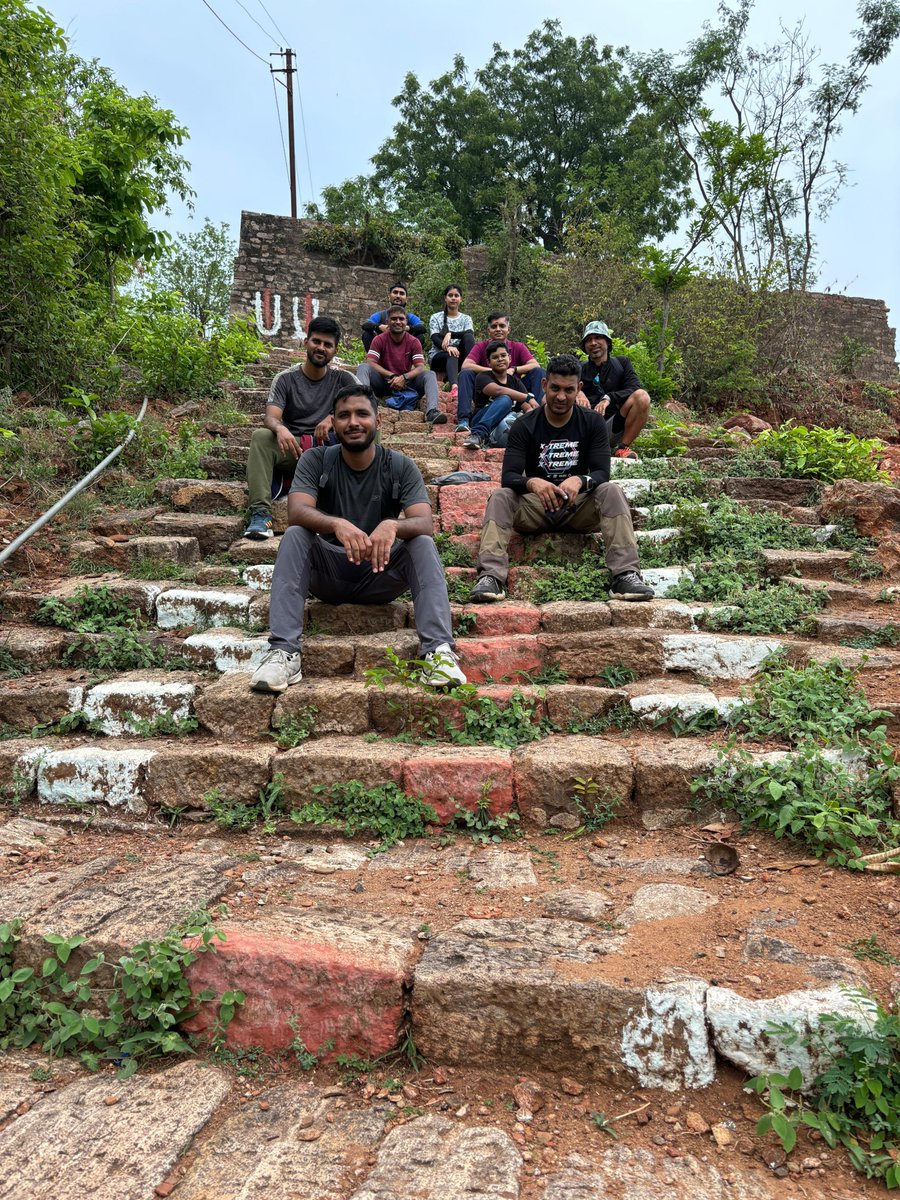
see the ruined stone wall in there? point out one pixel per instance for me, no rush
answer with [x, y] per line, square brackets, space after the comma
[282, 285]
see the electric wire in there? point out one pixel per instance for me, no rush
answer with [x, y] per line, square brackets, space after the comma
[265, 32]
[287, 170]
[233, 34]
[271, 18]
[312, 186]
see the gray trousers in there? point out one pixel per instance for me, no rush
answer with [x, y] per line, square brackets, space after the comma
[424, 384]
[308, 565]
[604, 509]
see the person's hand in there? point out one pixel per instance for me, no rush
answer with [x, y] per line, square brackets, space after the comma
[445, 343]
[453, 351]
[397, 382]
[383, 328]
[382, 539]
[358, 545]
[582, 401]
[552, 497]
[323, 430]
[571, 486]
[287, 443]
[602, 405]
[528, 405]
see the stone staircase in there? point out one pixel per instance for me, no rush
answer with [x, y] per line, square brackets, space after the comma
[554, 969]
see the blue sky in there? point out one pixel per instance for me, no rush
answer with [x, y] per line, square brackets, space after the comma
[353, 58]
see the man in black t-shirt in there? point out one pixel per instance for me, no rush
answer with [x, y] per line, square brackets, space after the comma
[347, 543]
[609, 384]
[298, 412]
[556, 476]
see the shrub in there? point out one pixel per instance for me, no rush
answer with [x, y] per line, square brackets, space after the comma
[385, 811]
[824, 454]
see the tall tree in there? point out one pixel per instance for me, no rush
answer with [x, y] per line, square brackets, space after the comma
[199, 267]
[560, 118]
[757, 126]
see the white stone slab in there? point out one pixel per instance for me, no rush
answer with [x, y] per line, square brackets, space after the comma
[667, 1043]
[666, 534]
[179, 607]
[663, 579]
[716, 657]
[227, 650]
[89, 775]
[259, 577]
[634, 487]
[110, 702]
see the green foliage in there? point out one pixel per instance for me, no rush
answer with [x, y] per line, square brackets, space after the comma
[869, 949]
[175, 354]
[10, 666]
[198, 267]
[620, 716]
[384, 811]
[595, 804]
[753, 603]
[854, 1102]
[660, 384]
[134, 1018]
[821, 701]
[125, 649]
[70, 722]
[725, 530]
[584, 580]
[617, 675]
[290, 731]
[88, 610]
[888, 635]
[230, 814]
[514, 723]
[182, 455]
[824, 454]
[829, 806]
[451, 552]
[162, 725]
[849, 356]
[879, 395]
[604, 1124]
[306, 1059]
[480, 824]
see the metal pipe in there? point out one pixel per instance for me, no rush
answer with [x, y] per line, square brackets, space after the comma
[72, 492]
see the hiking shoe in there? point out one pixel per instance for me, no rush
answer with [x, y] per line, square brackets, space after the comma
[462, 425]
[434, 416]
[630, 586]
[443, 669]
[260, 527]
[277, 671]
[623, 451]
[486, 590]
[474, 442]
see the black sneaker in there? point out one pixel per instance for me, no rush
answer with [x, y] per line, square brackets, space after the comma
[486, 590]
[435, 417]
[630, 586]
[474, 442]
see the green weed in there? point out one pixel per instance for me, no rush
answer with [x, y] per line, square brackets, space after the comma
[384, 811]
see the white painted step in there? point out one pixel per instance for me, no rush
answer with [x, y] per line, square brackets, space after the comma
[180, 607]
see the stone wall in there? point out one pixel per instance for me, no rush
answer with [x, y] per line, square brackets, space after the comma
[864, 320]
[282, 285]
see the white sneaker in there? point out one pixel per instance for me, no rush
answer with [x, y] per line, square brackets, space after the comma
[443, 668]
[277, 671]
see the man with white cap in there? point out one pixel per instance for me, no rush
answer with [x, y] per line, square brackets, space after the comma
[611, 387]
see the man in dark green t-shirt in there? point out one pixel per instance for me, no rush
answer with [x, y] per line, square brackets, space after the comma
[346, 543]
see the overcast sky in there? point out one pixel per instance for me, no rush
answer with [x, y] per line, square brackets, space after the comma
[353, 57]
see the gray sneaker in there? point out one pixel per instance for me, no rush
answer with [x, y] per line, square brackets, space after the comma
[443, 668]
[277, 671]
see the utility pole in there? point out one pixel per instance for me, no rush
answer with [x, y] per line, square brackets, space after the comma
[289, 71]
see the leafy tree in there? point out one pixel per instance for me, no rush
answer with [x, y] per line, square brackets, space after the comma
[198, 266]
[760, 153]
[560, 118]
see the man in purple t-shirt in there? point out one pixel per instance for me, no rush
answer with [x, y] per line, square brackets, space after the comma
[522, 363]
[395, 363]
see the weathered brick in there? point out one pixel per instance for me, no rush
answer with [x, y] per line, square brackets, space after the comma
[460, 776]
[493, 660]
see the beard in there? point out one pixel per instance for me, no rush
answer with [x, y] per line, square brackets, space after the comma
[357, 447]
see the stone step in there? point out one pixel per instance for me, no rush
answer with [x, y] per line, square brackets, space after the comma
[182, 549]
[852, 626]
[840, 594]
[809, 563]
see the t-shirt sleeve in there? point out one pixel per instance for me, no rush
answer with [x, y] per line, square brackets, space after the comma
[467, 323]
[279, 391]
[516, 456]
[345, 379]
[477, 354]
[519, 354]
[414, 346]
[376, 347]
[307, 472]
[598, 447]
[436, 322]
[412, 485]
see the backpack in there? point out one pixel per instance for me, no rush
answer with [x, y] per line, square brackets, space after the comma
[390, 504]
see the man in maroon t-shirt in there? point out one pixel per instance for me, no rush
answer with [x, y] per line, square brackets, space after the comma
[521, 361]
[395, 363]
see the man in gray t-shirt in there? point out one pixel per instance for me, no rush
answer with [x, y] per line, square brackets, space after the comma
[298, 413]
[361, 532]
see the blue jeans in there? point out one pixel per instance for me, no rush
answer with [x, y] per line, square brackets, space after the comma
[489, 417]
[467, 379]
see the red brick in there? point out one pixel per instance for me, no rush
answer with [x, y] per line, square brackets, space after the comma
[463, 506]
[503, 620]
[337, 976]
[460, 774]
[491, 660]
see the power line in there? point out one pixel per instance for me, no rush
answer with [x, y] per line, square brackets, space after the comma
[280, 130]
[262, 30]
[312, 186]
[269, 15]
[234, 35]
